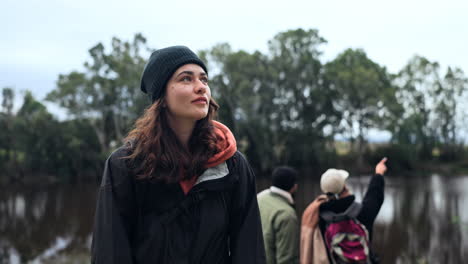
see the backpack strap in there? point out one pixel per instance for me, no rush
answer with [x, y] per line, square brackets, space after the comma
[353, 210]
[350, 213]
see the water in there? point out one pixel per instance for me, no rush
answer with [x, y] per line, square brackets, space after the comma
[46, 225]
[422, 220]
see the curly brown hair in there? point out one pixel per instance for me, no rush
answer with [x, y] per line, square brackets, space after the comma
[157, 154]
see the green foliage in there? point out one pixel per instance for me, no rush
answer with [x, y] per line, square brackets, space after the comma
[303, 104]
[107, 93]
[244, 97]
[451, 153]
[364, 89]
[8, 96]
[447, 103]
[432, 108]
[275, 103]
[36, 143]
[6, 126]
[284, 106]
[34, 135]
[402, 158]
[417, 83]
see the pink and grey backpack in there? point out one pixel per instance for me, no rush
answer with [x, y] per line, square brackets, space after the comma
[347, 240]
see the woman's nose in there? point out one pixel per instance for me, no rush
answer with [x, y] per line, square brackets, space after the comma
[201, 87]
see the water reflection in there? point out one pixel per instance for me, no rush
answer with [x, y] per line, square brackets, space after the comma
[423, 220]
[427, 223]
[38, 223]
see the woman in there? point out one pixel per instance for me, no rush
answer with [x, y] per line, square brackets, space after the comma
[178, 191]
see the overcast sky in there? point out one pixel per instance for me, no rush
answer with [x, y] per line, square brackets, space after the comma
[41, 39]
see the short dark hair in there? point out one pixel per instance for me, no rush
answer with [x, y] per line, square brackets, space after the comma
[284, 177]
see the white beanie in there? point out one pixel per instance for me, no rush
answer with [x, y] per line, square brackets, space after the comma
[333, 181]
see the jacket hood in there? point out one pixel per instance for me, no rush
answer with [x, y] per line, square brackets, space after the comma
[226, 144]
[338, 206]
[215, 168]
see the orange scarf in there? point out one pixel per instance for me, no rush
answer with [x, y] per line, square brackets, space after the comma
[227, 146]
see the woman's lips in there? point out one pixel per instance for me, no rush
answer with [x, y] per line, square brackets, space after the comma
[200, 100]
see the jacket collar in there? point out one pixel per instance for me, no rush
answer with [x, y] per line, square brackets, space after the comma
[338, 206]
[214, 173]
[282, 193]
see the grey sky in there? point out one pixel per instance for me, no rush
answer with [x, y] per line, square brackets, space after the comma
[41, 39]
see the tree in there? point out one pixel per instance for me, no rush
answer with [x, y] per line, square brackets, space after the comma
[303, 104]
[8, 96]
[34, 132]
[448, 100]
[417, 84]
[107, 93]
[363, 89]
[6, 121]
[447, 103]
[276, 103]
[245, 100]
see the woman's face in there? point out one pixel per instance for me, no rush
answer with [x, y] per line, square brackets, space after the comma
[187, 94]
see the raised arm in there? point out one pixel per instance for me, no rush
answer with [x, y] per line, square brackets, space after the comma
[374, 197]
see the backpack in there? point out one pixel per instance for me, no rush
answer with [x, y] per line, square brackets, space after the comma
[346, 239]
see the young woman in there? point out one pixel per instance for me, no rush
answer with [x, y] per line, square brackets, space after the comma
[178, 191]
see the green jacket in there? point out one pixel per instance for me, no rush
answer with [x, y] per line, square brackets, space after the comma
[280, 228]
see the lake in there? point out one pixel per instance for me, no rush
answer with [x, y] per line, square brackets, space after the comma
[422, 220]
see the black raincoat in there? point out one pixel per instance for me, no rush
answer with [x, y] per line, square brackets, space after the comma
[143, 221]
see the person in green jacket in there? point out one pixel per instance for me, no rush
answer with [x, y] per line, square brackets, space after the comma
[279, 220]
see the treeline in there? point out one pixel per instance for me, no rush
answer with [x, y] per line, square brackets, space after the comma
[285, 106]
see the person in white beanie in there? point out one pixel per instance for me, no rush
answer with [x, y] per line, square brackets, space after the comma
[338, 201]
[333, 184]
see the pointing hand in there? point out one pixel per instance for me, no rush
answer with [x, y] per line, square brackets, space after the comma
[381, 168]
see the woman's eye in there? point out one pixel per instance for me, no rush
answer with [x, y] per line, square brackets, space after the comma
[186, 79]
[204, 80]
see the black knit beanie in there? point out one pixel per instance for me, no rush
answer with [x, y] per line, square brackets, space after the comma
[161, 66]
[284, 177]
